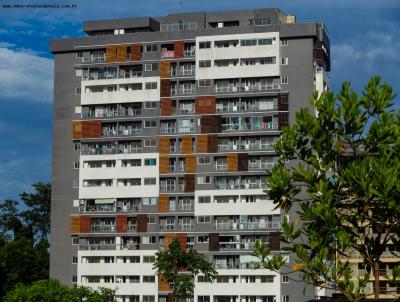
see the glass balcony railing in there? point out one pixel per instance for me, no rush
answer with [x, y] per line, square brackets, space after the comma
[106, 76]
[247, 225]
[182, 72]
[183, 91]
[112, 113]
[129, 150]
[185, 207]
[227, 186]
[94, 59]
[97, 208]
[102, 228]
[131, 227]
[220, 166]
[185, 227]
[245, 88]
[97, 247]
[261, 166]
[189, 52]
[168, 130]
[167, 227]
[167, 188]
[121, 132]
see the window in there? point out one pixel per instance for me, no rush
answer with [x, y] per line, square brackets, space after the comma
[204, 83]
[204, 160]
[150, 181]
[148, 298]
[201, 180]
[131, 163]
[77, 146]
[75, 203]
[150, 105]
[78, 109]
[150, 67]
[202, 239]
[203, 219]
[249, 42]
[148, 259]
[284, 99]
[75, 240]
[150, 48]
[76, 164]
[284, 80]
[204, 199]
[150, 161]
[284, 61]
[149, 279]
[151, 85]
[108, 259]
[78, 90]
[150, 124]
[149, 201]
[205, 44]
[284, 42]
[152, 219]
[75, 183]
[203, 298]
[285, 279]
[285, 298]
[149, 240]
[267, 279]
[79, 54]
[261, 22]
[152, 142]
[264, 42]
[74, 279]
[202, 279]
[205, 63]
[78, 72]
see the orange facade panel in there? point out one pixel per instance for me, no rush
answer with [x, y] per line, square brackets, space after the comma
[111, 54]
[163, 285]
[165, 69]
[165, 88]
[202, 143]
[84, 224]
[166, 107]
[76, 130]
[164, 165]
[141, 220]
[163, 203]
[189, 183]
[190, 164]
[86, 129]
[136, 52]
[164, 145]
[187, 144]
[75, 224]
[205, 104]
[182, 237]
[232, 162]
[122, 52]
[179, 49]
[121, 223]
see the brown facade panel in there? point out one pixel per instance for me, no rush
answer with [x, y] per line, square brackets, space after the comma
[275, 242]
[165, 69]
[74, 224]
[121, 222]
[86, 129]
[166, 107]
[213, 242]
[85, 224]
[243, 162]
[165, 88]
[202, 143]
[111, 54]
[163, 203]
[190, 164]
[205, 104]
[168, 238]
[283, 102]
[182, 237]
[122, 52]
[164, 165]
[283, 120]
[164, 145]
[189, 183]
[212, 144]
[187, 144]
[136, 52]
[163, 285]
[232, 162]
[76, 130]
[210, 124]
[142, 223]
[179, 48]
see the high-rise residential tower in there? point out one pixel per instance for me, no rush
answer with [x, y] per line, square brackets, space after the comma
[163, 128]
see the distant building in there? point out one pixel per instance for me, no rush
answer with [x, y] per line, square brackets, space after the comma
[173, 120]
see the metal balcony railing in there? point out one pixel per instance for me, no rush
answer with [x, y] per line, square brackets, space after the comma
[102, 228]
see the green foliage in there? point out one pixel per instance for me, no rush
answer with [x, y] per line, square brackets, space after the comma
[344, 177]
[179, 267]
[54, 291]
[24, 255]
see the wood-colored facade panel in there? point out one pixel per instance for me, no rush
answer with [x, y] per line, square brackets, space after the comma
[164, 145]
[164, 165]
[84, 224]
[182, 237]
[166, 107]
[136, 52]
[187, 144]
[142, 220]
[163, 203]
[163, 285]
[190, 164]
[283, 120]
[212, 143]
[76, 130]
[202, 143]
[165, 88]
[210, 124]
[189, 183]
[165, 69]
[111, 54]
[122, 52]
[179, 49]
[232, 162]
[274, 242]
[121, 222]
[205, 104]
[243, 162]
[213, 242]
[75, 224]
[283, 102]
[86, 129]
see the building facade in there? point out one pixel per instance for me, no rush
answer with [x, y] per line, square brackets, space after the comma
[173, 120]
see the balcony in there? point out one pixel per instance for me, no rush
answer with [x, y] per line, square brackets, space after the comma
[94, 59]
[104, 228]
[97, 247]
[230, 225]
[94, 151]
[261, 166]
[167, 227]
[249, 127]
[188, 129]
[107, 76]
[167, 130]
[245, 88]
[183, 72]
[177, 169]
[167, 53]
[185, 227]
[229, 186]
[96, 208]
[189, 52]
[183, 91]
[220, 166]
[112, 113]
[121, 132]
[131, 227]
[185, 207]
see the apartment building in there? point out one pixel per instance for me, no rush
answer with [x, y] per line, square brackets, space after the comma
[163, 128]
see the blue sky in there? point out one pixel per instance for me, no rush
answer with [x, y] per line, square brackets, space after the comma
[364, 42]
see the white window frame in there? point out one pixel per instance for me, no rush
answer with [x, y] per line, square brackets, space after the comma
[284, 80]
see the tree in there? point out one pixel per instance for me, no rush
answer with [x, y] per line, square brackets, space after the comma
[341, 169]
[179, 267]
[54, 291]
[24, 256]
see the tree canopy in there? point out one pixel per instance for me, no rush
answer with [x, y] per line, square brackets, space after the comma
[340, 168]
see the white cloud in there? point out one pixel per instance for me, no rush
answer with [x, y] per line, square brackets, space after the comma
[25, 76]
